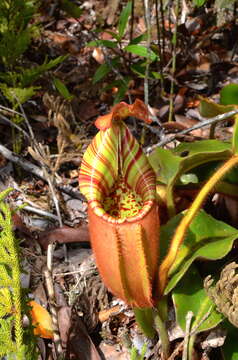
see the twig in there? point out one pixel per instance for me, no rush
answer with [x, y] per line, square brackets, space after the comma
[11, 123]
[148, 40]
[52, 302]
[26, 121]
[10, 110]
[25, 164]
[174, 56]
[40, 212]
[35, 170]
[195, 127]
[161, 55]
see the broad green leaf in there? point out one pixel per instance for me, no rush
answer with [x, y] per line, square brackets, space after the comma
[169, 165]
[103, 70]
[206, 238]
[189, 295]
[144, 318]
[123, 20]
[229, 95]
[209, 108]
[106, 43]
[141, 51]
[139, 68]
[230, 348]
[70, 8]
[62, 89]
[199, 3]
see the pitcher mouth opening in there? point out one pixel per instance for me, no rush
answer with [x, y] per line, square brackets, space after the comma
[122, 204]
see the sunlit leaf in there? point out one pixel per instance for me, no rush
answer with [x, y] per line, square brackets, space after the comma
[141, 50]
[206, 238]
[229, 95]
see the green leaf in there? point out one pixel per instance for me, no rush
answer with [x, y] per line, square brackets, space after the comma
[235, 136]
[28, 76]
[15, 95]
[206, 238]
[106, 43]
[169, 165]
[189, 295]
[199, 3]
[144, 318]
[209, 108]
[123, 20]
[103, 70]
[113, 34]
[62, 89]
[138, 39]
[70, 8]
[141, 51]
[189, 178]
[229, 95]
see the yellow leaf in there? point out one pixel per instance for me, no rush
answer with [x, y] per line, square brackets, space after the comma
[41, 319]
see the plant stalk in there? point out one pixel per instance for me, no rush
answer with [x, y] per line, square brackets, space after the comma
[174, 41]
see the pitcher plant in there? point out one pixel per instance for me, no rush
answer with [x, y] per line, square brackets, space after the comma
[120, 186]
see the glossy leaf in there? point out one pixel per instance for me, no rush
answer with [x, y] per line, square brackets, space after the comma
[206, 238]
[229, 95]
[189, 295]
[169, 165]
[123, 20]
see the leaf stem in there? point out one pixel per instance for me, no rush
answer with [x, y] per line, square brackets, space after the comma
[188, 218]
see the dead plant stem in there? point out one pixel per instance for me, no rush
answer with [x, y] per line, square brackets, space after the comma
[200, 125]
[174, 56]
[148, 41]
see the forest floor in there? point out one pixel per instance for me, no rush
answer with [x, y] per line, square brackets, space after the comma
[94, 324]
